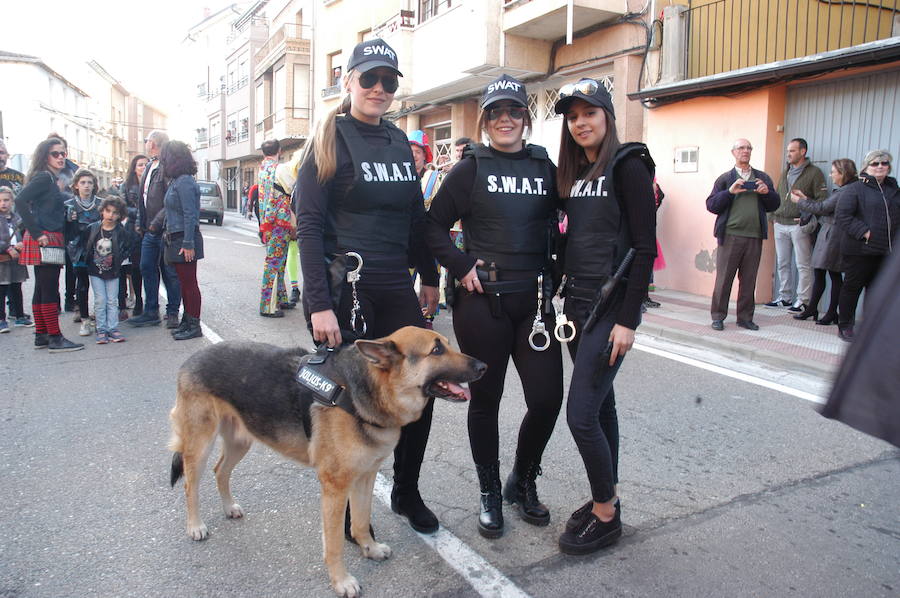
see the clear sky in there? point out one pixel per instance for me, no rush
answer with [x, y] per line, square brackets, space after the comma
[138, 43]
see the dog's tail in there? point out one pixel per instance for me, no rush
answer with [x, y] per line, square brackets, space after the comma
[177, 468]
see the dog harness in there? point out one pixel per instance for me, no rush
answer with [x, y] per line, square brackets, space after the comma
[318, 387]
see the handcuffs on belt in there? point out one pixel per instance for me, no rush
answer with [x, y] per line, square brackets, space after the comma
[539, 329]
[353, 277]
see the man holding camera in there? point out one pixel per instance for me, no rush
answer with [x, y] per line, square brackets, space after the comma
[740, 199]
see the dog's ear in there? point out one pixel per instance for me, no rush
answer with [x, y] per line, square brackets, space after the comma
[382, 355]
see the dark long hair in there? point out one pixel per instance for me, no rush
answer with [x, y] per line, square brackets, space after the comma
[176, 159]
[41, 155]
[131, 177]
[572, 159]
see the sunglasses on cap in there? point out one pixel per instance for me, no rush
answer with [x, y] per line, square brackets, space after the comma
[389, 83]
[882, 163]
[514, 112]
[58, 154]
[587, 87]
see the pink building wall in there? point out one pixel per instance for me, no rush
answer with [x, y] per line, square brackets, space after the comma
[685, 227]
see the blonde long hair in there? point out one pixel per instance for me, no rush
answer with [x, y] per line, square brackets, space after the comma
[323, 142]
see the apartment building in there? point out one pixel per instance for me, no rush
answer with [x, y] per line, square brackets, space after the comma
[97, 116]
[768, 71]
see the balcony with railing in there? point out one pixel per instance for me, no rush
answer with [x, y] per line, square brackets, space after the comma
[290, 37]
[547, 19]
[726, 35]
[284, 123]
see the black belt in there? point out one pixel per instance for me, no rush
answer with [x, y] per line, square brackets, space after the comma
[502, 287]
[583, 289]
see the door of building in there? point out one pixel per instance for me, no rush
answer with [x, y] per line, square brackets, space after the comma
[845, 118]
[231, 183]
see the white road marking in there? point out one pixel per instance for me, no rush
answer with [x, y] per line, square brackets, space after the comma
[247, 244]
[806, 396]
[481, 575]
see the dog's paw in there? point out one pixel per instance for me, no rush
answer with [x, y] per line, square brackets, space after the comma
[376, 551]
[347, 587]
[234, 511]
[198, 532]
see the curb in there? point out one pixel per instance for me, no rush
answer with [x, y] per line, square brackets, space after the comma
[731, 349]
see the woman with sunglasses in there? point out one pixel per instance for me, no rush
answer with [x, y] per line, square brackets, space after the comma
[609, 200]
[869, 215]
[40, 204]
[505, 195]
[358, 192]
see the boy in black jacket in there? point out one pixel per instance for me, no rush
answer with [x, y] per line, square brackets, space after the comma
[106, 245]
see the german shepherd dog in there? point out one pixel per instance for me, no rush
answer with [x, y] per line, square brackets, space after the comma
[246, 391]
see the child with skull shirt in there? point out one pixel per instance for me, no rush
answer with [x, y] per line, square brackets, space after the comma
[106, 245]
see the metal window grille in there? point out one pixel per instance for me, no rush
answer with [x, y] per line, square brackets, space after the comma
[533, 106]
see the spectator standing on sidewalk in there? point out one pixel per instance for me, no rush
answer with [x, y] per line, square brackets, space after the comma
[869, 216]
[826, 255]
[40, 204]
[12, 273]
[9, 177]
[151, 223]
[791, 240]
[740, 199]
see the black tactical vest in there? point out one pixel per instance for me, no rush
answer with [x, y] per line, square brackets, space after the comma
[512, 201]
[374, 215]
[598, 235]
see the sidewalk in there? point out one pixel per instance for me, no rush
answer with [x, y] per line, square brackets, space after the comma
[781, 341]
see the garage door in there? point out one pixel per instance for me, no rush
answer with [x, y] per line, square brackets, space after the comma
[846, 118]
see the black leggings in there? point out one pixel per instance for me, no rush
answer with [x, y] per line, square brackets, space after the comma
[591, 408]
[386, 311]
[14, 292]
[494, 340]
[818, 289]
[82, 284]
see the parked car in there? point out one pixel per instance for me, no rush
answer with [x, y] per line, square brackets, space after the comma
[212, 206]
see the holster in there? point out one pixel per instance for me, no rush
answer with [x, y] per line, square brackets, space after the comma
[336, 272]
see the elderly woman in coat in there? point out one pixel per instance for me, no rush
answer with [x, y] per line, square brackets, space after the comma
[826, 255]
[869, 217]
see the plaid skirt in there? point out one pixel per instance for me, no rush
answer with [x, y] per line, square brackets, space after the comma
[31, 251]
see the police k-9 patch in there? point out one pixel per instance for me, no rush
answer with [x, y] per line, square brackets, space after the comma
[323, 388]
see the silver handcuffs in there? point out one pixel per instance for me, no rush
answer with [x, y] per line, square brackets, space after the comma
[562, 320]
[353, 277]
[538, 329]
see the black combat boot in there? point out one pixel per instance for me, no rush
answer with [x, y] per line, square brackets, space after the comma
[521, 490]
[490, 521]
[182, 326]
[192, 330]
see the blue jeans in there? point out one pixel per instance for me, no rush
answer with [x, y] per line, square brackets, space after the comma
[152, 264]
[106, 303]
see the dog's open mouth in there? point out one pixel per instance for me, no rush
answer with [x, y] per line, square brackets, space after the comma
[444, 389]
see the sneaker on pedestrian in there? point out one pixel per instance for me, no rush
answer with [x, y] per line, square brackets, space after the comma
[102, 338]
[60, 344]
[648, 302]
[148, 318]
[116, 336]
[172, 321]
[778, 303]
[797, 308]
[41, 340]
[4, 326]
[591, 535]
[87, 328]
[25, 320]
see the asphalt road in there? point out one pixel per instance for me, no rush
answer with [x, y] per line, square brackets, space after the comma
[727, 488]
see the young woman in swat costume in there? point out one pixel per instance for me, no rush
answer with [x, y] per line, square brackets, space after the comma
[608, 191]
[358, 193]
[505, 195]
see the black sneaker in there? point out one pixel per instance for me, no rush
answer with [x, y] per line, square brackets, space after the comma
[591, 535]
[148, 318]
[797, 308]
[578, 517]
[275, 314]
[41, 340]
[778, 303]
[60, 344]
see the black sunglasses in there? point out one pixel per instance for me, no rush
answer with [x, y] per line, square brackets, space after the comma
[884, 163]
[389, 83]
[58, 154]
[514, 112]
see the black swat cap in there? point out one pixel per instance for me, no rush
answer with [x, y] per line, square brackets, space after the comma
[372, 54]
[591, 91]
[504, 88]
